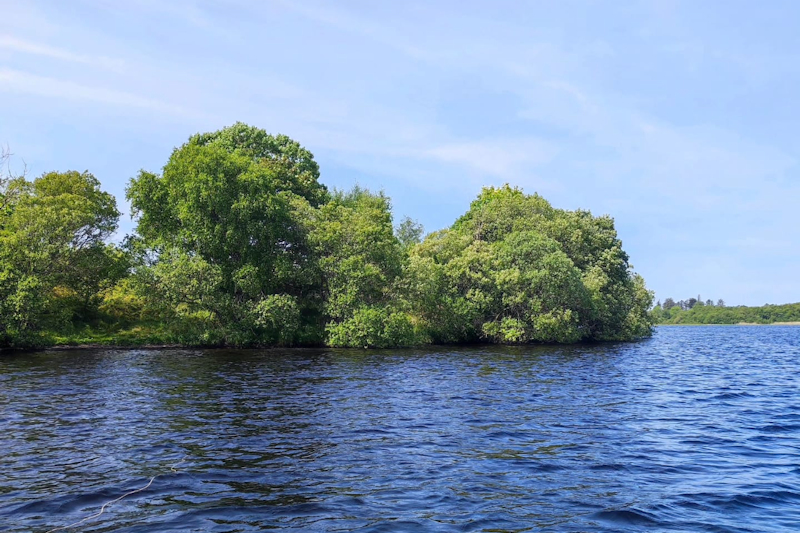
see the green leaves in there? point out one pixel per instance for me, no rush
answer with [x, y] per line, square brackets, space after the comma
[373, 327]
[279, 315]
[293, 166]
[513, 269]
[238, 243]
[53, 257]
[409, 233]
[361, 262]
[672, 313]
[230, 209]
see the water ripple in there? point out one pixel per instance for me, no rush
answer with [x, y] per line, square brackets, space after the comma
[697, 429]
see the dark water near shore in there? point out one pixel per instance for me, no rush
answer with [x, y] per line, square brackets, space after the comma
[696, 429]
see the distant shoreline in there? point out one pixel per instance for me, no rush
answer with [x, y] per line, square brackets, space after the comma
[771, 324]
[740, 315]
[737, 324]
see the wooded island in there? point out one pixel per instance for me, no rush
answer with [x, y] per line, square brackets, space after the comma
[238, 243]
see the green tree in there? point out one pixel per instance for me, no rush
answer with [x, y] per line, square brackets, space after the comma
[360, 262]
[230, 203]
[53, 249]
[238, 243]
[514, 269]
[295, 168]
[409, 232]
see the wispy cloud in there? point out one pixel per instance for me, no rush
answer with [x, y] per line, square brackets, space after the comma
[189, 11]
[31, 84]
[359, 25]
[675, 131]
[15, 44]
[502, 158]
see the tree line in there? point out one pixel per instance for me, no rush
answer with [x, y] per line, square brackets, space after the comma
[689, 303]
[238, 243]
[695, 311]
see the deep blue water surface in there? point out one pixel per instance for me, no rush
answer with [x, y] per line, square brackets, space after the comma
[696, 429]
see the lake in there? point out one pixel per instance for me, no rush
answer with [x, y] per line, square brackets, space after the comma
[695, 429]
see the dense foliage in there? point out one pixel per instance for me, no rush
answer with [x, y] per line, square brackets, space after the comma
[54, 259]
[514, 269]
[695, 311]
[238, 243]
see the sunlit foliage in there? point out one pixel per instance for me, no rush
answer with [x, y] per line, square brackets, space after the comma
[238, 243]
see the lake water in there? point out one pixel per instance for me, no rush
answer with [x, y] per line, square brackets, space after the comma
[696, 429]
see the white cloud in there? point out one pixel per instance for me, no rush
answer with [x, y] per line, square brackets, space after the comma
[32, 84]
[584, 123]
[348, 22]
[503, 158]
[187, 10]
[9, 42]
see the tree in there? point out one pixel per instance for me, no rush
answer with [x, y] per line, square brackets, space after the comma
[238, 243]
[720, 303]
[5, 173]
[231, 202]
[8, 193]
[361, 261]
[514, 269]
[53, 234]
[669, 303]
[295, 168]
[409, 232]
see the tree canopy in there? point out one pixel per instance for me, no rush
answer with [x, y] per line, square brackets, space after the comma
[238, 243]
[54, 258]
[229, 209]
[515, 269]
[695, 311]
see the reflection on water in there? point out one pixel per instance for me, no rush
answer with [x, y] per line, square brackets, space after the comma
[697, 429]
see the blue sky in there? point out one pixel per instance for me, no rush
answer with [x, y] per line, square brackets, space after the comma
[678, 118]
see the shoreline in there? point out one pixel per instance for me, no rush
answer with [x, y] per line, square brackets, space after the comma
[737, 324]
[168, 346]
